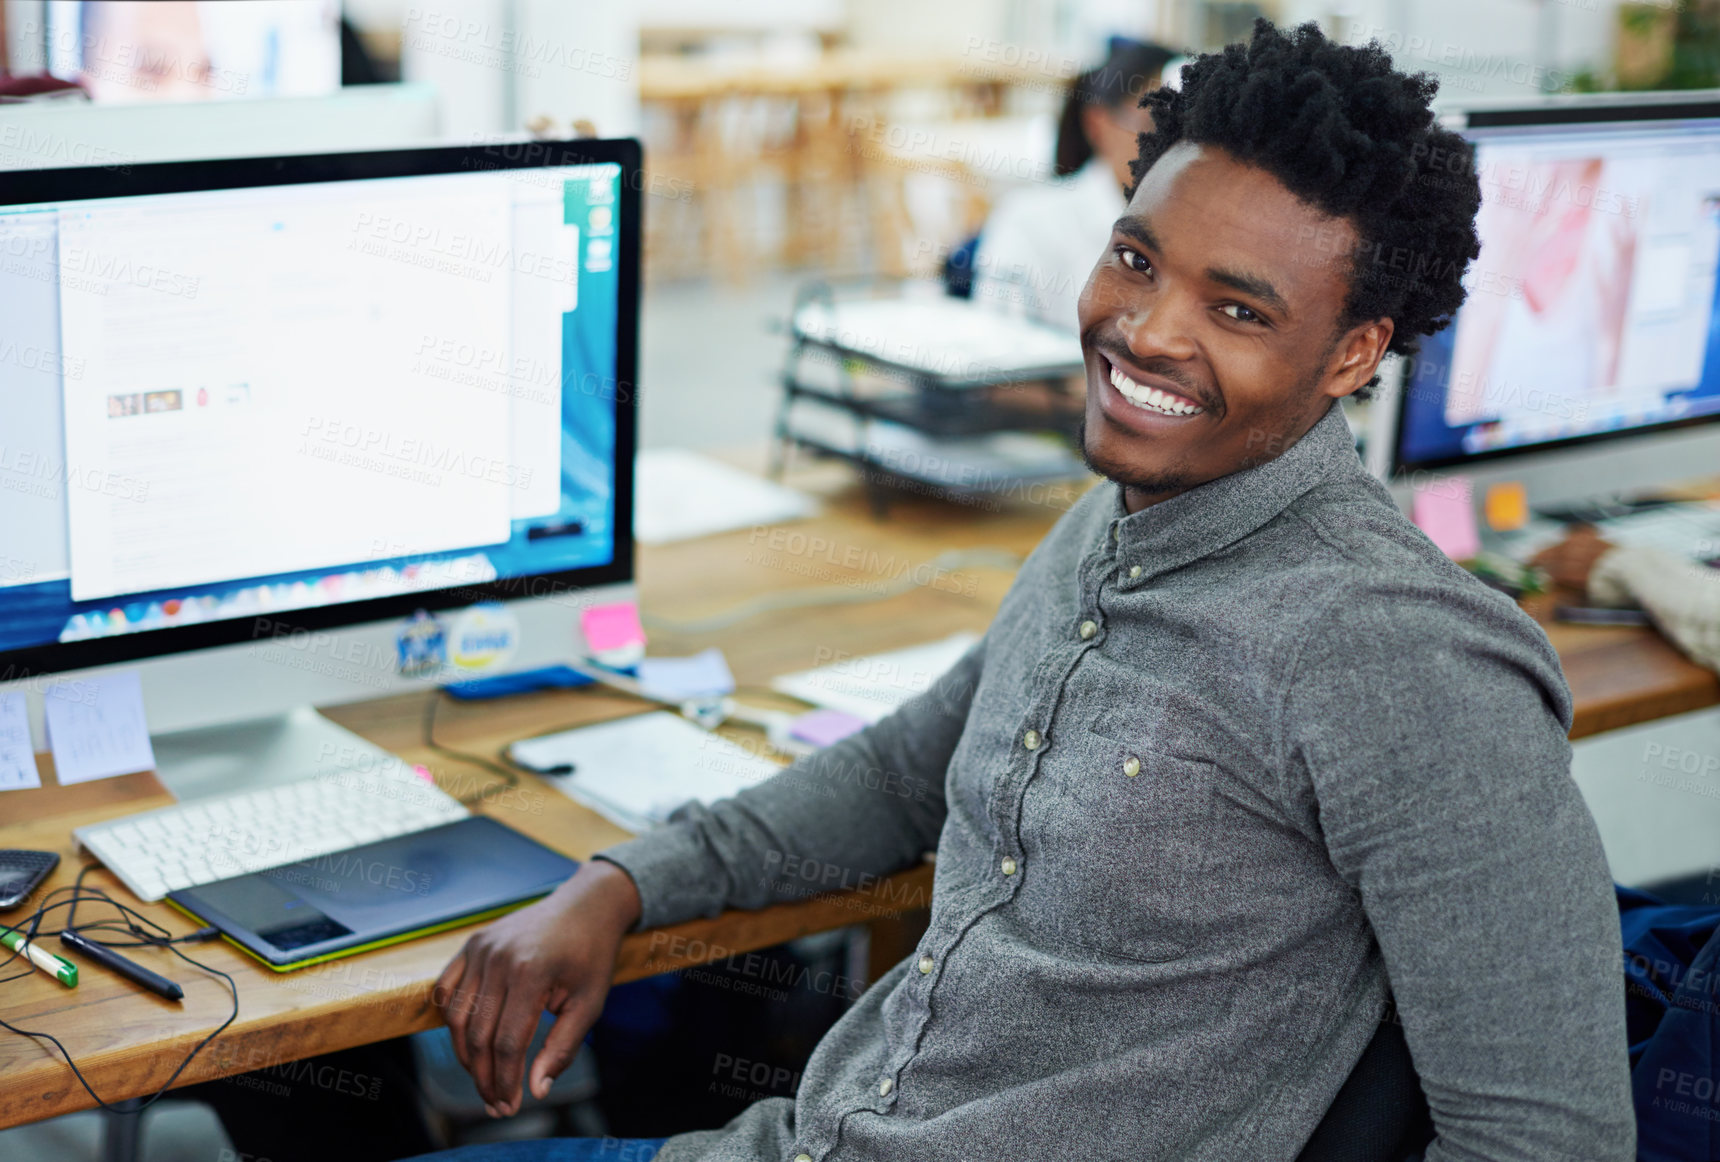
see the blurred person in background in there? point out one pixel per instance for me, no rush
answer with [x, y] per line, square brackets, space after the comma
[1037, 247]
[1682, 597]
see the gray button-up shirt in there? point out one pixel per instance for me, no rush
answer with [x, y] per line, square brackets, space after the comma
[1217, 771]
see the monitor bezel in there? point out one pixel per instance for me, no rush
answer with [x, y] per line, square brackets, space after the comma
[1554, 116]
[35, 187]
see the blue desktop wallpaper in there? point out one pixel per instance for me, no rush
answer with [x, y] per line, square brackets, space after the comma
[580, 534]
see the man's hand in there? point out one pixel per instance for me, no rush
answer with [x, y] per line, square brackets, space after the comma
[1570, 562]
[559, 955]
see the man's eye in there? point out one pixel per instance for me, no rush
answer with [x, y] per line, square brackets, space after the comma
[1134, 260]
[1241, 313]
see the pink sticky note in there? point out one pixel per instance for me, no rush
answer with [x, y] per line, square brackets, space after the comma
[823, 727]
[1444, 509]
[613, 631]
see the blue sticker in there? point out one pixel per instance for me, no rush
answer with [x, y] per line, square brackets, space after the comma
[421, 646]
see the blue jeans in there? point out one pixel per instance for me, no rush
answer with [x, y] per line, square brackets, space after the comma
[554, 1150]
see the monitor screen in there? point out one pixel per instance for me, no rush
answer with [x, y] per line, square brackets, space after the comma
[1592, 308]
[334, 400]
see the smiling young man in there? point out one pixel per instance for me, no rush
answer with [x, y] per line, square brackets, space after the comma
[1242, 762]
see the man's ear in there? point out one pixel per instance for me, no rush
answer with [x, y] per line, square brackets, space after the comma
[1356, 356]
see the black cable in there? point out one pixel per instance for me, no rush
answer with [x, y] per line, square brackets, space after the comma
[148, 933]
[510, 777]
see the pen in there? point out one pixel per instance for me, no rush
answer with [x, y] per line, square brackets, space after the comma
[61, 970]
[131, 970]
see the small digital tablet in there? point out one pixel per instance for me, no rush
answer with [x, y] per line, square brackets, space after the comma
[381, 893]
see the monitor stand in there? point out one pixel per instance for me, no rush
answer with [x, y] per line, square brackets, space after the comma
[263, 752]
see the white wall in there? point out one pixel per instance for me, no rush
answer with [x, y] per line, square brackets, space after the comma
[925, 28]
[500, 63]
[24, 35]
[1491, 48]
[594, 76]
[742, 15]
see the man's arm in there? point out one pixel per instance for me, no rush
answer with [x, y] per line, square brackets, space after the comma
[1433, 728]
[1682, 596]
[867, 806]
[870, 805]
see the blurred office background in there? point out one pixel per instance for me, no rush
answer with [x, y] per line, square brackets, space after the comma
[785, 139]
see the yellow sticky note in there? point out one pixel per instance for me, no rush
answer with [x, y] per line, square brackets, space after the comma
[1507, 506]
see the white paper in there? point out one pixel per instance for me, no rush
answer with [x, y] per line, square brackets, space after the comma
[678, 679]
[679, 495]
[635, 771]
[96, 728]
[17, 760]
[954, 339]
[871, 686]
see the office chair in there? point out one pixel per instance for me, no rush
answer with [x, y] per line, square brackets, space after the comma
[1380, 1114]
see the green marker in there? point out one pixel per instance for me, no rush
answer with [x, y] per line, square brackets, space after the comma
[63, 971]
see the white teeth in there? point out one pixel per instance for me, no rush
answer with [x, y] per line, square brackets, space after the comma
[1151, 398]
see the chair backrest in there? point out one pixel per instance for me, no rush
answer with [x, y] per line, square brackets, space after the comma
[1380, 1114]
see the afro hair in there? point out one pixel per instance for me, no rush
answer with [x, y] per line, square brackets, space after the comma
[1355, 139]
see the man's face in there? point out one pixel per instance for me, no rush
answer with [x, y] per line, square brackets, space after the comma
[1210, 326]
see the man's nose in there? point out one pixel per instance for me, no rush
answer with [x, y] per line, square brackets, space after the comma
[1159, 329]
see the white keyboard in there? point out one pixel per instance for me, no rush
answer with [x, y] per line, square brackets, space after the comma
[1690, 530]
[157, 852]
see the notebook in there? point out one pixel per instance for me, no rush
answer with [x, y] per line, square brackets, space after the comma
[635, 771]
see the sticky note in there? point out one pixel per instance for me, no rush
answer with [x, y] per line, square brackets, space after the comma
[96, 728]
[678, 679]
[1507, 506]
[613, 634]
[823, 727]
[1444, 509]
[17, 761]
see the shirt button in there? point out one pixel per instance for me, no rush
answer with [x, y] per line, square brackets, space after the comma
[1008, 866]
[1088, 629]
[926, 964]
[885, 1086]
[1131, 766]
[803, 1158]
[1030, 740]
[1134, 570]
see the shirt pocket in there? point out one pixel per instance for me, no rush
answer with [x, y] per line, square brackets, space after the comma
[1142, 842]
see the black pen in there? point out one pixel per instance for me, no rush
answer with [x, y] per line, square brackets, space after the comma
[108, 958]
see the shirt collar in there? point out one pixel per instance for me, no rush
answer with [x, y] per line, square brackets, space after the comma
[1211, 516]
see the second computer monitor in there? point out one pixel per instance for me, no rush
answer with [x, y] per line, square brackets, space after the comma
[1591, 311]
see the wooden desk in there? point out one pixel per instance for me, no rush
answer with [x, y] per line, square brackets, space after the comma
[128, 1041]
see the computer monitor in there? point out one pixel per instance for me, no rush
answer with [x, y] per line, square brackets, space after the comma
[271, 428]
[122, 51]
[1586, 359]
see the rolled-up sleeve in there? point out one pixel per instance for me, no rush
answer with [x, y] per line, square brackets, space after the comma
[1682, 596]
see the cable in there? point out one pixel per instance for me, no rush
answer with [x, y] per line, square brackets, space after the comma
[950, 559]
[510, 778]
[146, 932]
